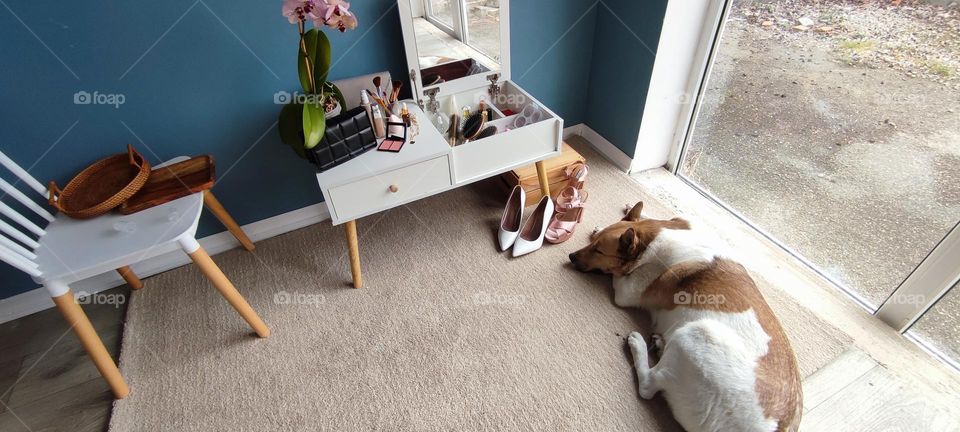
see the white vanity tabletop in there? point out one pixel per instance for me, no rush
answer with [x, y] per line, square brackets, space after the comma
[427, 145]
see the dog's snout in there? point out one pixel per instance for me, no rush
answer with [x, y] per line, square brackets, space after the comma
[573, 257]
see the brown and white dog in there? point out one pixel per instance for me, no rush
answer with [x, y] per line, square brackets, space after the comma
[725, 363]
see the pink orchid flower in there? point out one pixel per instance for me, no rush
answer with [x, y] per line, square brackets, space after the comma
[338, 16]
[303, 10]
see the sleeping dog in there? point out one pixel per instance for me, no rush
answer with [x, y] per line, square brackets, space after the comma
[725, 363]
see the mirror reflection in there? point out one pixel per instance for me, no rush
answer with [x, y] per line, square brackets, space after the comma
[456, 38]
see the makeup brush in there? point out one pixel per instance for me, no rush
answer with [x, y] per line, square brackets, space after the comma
[376, 84]
[379, 101]
[454, 131]
[395, 95]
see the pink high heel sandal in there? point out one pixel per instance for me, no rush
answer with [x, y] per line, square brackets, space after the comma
[563, 224]
[572, 195]
[570, 202]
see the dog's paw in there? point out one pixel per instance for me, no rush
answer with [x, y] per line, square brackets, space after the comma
[638, 346]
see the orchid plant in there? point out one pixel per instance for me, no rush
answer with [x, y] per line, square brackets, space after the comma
[303, 120]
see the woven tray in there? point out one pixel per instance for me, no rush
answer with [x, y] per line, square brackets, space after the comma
[103, 186]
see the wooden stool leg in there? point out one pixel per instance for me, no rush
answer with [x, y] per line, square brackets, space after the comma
[78, 320]
[222, 284]
[542, 176]
[128, 275]
[217, 209]
[353, 246]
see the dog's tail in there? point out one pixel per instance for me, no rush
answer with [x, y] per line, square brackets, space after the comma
[793, 424]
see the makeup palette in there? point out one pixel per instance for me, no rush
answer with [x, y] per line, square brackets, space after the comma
[394, 140]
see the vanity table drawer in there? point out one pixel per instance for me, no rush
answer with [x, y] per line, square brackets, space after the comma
[390, 189]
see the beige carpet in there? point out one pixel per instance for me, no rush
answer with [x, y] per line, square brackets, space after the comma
[448, 334]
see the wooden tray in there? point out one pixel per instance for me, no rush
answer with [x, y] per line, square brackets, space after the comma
[101, 187]
[171, 182]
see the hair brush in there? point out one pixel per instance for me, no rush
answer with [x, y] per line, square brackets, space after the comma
[474, 125]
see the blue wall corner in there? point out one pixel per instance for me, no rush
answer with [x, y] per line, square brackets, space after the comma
[199, 78]
[624, 49]
[552, 43]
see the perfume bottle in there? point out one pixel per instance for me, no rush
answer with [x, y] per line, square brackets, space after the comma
[439, 120]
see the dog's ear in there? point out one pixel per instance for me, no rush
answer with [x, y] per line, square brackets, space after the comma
[629, 243]
[634, 213]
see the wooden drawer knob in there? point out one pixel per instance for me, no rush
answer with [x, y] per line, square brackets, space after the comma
[393, 188]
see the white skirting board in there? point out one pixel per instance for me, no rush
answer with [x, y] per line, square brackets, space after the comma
[37, 300]
[606, 148]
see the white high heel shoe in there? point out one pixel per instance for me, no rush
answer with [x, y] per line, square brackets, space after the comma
[510, 222]
[531, 235]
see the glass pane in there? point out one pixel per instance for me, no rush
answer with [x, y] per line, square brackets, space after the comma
[483, 27]
[442, 10]
[835, 135]
[940, 326]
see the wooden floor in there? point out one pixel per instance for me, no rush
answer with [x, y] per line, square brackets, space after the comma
[48, 383]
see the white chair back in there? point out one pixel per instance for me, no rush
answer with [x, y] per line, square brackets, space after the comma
[19, 240]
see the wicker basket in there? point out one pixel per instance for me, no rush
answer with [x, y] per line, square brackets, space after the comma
[103, 186]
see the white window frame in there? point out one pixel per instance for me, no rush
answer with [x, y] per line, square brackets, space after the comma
[687, 47]
[457, 29]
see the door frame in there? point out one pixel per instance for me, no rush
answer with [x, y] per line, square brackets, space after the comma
[682, 60]
[918, 292]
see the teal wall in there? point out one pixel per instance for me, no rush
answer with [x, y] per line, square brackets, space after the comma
[199, 78]
[624, 47]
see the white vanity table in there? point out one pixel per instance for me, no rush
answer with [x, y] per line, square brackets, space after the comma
[427, 164]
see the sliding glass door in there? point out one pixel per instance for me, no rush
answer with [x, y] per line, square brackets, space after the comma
[841, 145]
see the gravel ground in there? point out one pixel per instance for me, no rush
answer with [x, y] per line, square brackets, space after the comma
[835, 126]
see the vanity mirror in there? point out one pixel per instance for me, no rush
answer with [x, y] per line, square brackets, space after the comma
[458, 52]
[457, 39]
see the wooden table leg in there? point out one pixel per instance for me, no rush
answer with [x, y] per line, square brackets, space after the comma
[128, 275]
[217, 209]
[91, 342]
[353, 245]
[542, 176]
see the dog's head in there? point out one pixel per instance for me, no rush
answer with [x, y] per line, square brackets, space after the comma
[616, 248]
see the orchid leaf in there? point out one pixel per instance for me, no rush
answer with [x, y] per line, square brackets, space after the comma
[318, 51]
[290, 126]
[314, 124]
